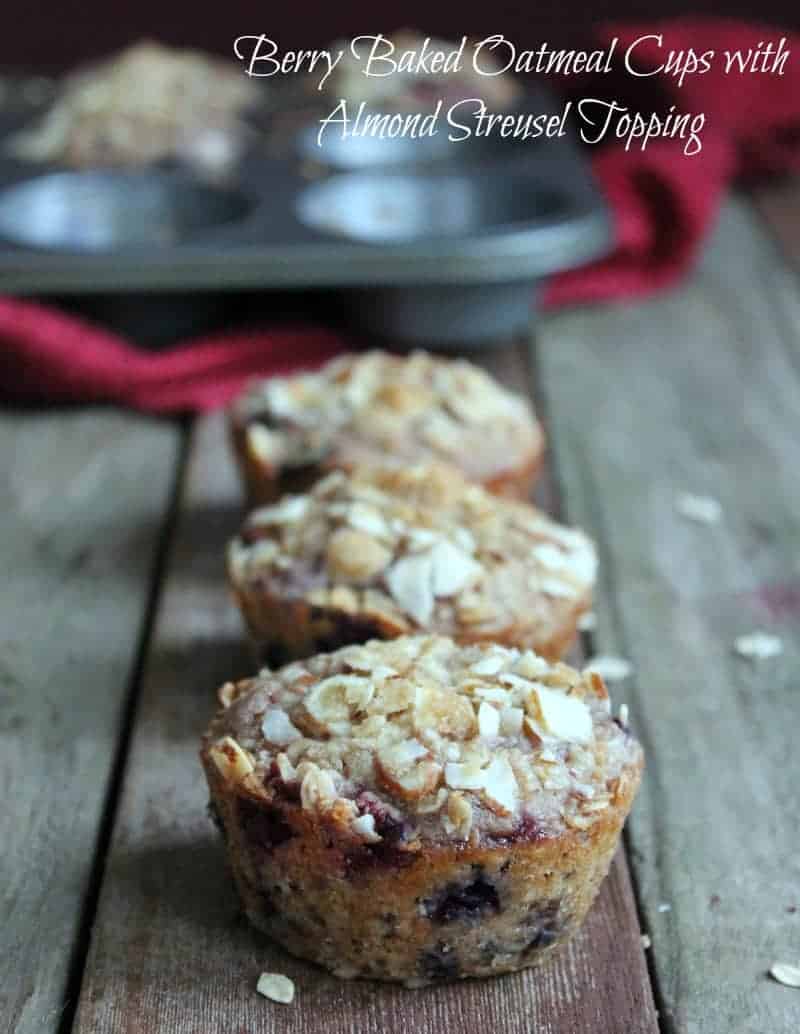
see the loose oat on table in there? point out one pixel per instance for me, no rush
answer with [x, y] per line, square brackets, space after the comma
[276, 987]
[417, 810]
[786, 974]
[382, 551]
[379, 408]
[702, 509]
[758, 646]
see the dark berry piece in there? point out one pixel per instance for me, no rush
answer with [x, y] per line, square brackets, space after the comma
[439, 964]
[464, 902]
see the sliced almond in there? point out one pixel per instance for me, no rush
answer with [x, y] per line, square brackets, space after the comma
[459, 815]
[286, 770]
[463, 776]
[231, 760]
[444, 712]
[317, 789]
[488, 720]
[511, 721]
[500, 789]
[489, 664]
[364, 827]
[410, 581]
[289, 510]
[263, 443]
[277, 728]
[453, 569]
[355, 556]
[565, 717]
[531, 666]
[402, 772]
[329, 703]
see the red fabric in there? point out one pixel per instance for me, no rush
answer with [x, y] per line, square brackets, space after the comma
[662, 202]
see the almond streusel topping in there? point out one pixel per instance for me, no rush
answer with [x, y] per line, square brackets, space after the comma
[450, 742]
[422, 547]
[365, 407]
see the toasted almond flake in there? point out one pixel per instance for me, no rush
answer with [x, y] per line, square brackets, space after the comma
[555, 587]
[410, 581]
[494, 694]
[511, 721]
[612, 669]
[369, 520]
[531, 666]
[364, 827]
[356, 556]
[232, 762]
[289, 510]
[587, 622]
[786, 974]
[262, 442]
[453, 569]
[277, 728]
[286, 770]
[489, 664]
[758, 646]
[317, 790]
[459, 815]
[464, 776]
[488, 720]
[500, 788]
[703, 509]
[565, 717]
[420, 538]
[276, 987]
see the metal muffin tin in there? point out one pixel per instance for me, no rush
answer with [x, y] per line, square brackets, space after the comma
[441, 248]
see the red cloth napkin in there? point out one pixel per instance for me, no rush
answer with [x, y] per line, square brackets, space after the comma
[662, 202]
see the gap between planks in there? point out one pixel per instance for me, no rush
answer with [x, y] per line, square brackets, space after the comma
[169, 950]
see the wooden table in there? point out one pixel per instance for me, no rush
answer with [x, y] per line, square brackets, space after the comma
[115, 628]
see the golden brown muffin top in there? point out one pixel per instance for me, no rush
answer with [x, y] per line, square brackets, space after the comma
[446, 742]
[417, 548]
[363, 408]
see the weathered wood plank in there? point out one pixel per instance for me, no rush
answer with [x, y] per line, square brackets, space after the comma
[699, 391]
[84, 500]
[169, 952]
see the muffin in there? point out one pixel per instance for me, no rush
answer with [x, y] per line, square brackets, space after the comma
[377, 408]
[384, 551]
[415, 810]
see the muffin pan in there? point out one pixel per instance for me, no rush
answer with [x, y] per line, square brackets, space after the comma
[445, 251]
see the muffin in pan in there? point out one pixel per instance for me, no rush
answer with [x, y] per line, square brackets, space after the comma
[386, 551]
[416, 810]
[379, 408]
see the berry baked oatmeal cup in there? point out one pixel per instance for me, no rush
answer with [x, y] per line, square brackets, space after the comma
[376, 408]
[386, 551]
[416, 810]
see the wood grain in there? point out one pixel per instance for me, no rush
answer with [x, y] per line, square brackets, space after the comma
[84, 499]
[699, 391]
[169, 950]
